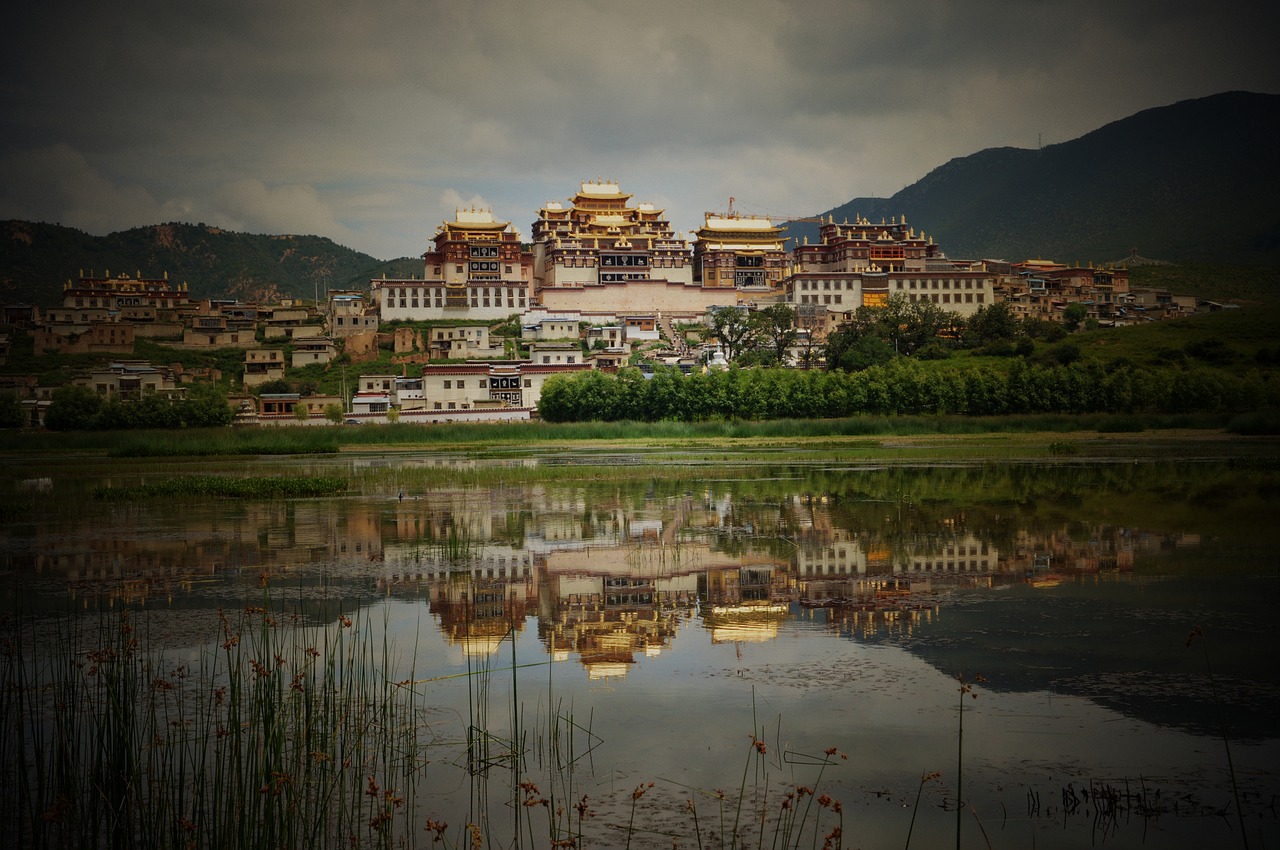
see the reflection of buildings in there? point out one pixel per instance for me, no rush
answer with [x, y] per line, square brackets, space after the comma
[104, 551]
[892, 609]
[745, 603]
[611, 572]
[1099, 548]
[609, 619]
[477, 612]
[957, 554]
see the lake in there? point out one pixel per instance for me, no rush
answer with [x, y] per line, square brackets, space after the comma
[653, 649]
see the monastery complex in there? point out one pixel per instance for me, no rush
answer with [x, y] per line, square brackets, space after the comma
[602, 279]
[602, 255]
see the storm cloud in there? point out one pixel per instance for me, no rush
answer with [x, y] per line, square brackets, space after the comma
[370, 123]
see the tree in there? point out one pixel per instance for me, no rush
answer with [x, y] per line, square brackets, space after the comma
[863, 352]
[73, 408]
[1043, 329]
[733, 328]
[207, 407]
[912, 324]
[275, 387]
[776, 326]
[300, 412]
[991, 323]
[902, 327]
[333, 412]
[811, 322]
[11, 411]
[1073, 315]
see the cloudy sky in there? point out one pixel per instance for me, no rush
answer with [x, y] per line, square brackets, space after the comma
[370, 123]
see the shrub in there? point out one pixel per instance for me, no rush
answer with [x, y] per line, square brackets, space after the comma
[933, 351]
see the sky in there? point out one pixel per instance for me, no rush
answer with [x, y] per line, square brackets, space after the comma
[371, 123]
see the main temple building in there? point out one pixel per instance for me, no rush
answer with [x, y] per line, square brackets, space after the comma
[599, 252]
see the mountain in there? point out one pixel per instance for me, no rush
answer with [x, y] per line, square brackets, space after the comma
[37, 259]
[1196, 181]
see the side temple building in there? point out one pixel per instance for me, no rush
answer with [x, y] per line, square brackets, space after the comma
[477, 270]
[861, 264]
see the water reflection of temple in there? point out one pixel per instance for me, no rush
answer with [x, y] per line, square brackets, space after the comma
[610, 571]
[477, 613]
[609, 620]
[122, 553]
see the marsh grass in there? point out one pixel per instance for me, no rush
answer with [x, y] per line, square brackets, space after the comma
[219, 486]
[291, 440]
[265, 742]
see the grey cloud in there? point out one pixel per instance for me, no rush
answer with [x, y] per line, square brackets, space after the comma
[363, 119]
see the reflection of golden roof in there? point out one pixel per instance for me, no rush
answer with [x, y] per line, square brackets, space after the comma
[605, 670]
[479, 644]
[749, 609]
[754, 623]
[617, 641]
[1047, 580]
[744, 632]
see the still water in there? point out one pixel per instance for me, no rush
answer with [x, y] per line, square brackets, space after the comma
[683, 647]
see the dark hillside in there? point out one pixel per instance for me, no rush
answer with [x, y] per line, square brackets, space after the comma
[1195, 181]
[36, 259]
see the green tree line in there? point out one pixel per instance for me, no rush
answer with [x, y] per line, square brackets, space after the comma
[901, 386]
[76, 408]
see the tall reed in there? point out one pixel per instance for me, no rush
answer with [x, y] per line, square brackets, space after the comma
[265, 742]
[1197, 633]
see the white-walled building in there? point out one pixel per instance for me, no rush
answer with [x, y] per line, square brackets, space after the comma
[861, 264]
[477, 270]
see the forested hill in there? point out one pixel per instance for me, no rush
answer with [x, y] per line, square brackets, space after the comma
[37, 259]
[1195, 181]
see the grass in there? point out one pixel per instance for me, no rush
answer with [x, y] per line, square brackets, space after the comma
[270, 740]
[290, 440]
[256, 487]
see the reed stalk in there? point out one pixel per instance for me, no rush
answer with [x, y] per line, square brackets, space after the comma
[1197, 633]
[266, 741]
[965, 690]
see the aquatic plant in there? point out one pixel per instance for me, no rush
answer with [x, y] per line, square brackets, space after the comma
[925, 778]
[265, 742]
[966, 690]
[257, 487]
[1197, 633]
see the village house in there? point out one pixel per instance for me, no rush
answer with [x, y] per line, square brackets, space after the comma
[289, 320]
[551, 328]
[100, 337]
[312, 350]
[130, 379]
[558, 353]
[606, 336]
[284, 405]
[212, 330]
[350, 315]
[463, 343]
[375, 394]
[1043, 289]
[262, 365]
[458, 388]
